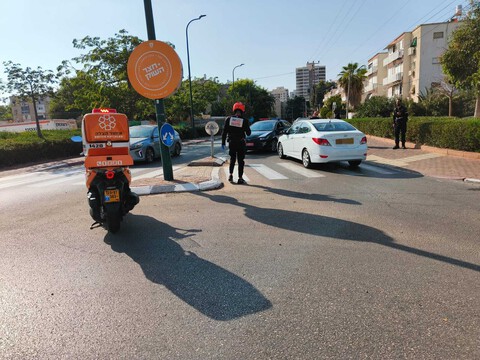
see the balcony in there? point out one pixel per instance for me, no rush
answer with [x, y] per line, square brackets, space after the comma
[370, 87]
[392, 57]
[393, 78]
[412, 51]
[371, 70]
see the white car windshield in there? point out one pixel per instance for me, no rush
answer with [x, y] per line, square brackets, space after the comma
[334, 126]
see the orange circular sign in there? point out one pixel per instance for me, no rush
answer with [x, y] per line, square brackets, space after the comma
[154, 69]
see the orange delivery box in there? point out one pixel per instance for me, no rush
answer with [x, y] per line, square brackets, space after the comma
[106, 138]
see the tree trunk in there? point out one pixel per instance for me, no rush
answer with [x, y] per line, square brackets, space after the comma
[39, 132]
[450, 106]
[477, 107]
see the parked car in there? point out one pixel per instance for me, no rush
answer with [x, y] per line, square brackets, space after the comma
[265, 134]
[145, 145]
[323, 141]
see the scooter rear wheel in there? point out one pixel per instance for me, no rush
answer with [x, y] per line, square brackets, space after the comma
[113, 222]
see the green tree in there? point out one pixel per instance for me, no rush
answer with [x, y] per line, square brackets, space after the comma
[461, 60]
[105, 75]
[29, 85]
[259, 103]
[295, 108]
[205, 93]
[320, 90]
[326, 112]
[351, 79]
[5, 112]
[376, 106]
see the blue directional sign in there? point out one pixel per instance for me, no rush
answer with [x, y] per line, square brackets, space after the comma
[167, 134]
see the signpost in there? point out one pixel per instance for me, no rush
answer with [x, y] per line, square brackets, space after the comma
[155, 72]
[211, 128]
[167, 134]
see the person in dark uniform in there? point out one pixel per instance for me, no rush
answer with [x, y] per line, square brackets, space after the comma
[235, 129]
[400, 118]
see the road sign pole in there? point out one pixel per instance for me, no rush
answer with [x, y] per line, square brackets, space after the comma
[159, 105]
[164, 150]
[212, 139]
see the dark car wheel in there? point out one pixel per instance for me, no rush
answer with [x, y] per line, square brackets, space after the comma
[273, 145]
[306, 159]
[280, 153]
[354, 163]
[149, 155]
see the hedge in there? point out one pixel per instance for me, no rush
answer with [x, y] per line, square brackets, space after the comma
[449, 133]
[27, 147]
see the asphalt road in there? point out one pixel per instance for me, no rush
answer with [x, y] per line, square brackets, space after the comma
[349, 264]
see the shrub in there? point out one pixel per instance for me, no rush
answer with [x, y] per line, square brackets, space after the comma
[443, 132]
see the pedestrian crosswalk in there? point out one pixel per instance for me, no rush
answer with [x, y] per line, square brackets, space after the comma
[274, 171]
[294, 171]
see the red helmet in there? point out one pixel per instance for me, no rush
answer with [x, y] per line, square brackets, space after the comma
[238, 106]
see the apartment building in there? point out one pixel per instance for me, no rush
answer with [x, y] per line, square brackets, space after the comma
[307, 77]
[428, 43]
[413, 60]
[23, 110]
[281, 96]
[376, 72]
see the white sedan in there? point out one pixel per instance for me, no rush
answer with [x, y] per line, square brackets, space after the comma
[323, 141]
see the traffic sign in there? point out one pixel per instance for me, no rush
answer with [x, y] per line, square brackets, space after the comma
[167, 134]
[211, 128]
[154, 69]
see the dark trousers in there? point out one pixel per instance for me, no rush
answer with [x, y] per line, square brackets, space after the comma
[400, 132]
[237, 152]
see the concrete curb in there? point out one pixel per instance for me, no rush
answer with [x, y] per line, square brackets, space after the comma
[212, 184]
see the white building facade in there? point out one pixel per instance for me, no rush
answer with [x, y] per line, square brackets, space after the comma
[308, 77]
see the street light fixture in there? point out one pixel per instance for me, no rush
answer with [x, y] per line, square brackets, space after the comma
[233, 74]
[189, 76]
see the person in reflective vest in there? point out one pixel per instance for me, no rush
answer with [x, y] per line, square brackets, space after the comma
[234, 131]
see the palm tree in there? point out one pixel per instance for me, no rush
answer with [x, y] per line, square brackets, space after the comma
[351, 79]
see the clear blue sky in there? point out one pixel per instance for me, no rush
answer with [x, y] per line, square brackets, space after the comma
[271, 37]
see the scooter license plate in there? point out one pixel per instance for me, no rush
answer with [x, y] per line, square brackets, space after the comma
[111, 195]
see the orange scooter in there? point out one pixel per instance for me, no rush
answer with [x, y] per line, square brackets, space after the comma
[105, 138]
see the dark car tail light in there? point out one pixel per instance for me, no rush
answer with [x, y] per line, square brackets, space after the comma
[320, 141]
[363, 141]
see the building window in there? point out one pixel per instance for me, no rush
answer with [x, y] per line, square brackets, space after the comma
[438, 35]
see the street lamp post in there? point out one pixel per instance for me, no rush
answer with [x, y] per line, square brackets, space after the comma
[192, 119]
[233, 74]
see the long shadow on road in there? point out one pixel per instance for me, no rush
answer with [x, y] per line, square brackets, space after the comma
[210, 289]
[329, 227]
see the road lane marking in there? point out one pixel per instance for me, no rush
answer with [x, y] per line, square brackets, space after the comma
[300, 170]
[267, 172]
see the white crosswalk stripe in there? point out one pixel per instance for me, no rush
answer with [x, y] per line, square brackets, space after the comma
[267, 172]
[301, 170]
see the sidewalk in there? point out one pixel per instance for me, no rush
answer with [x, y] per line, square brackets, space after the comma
[426, 160]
